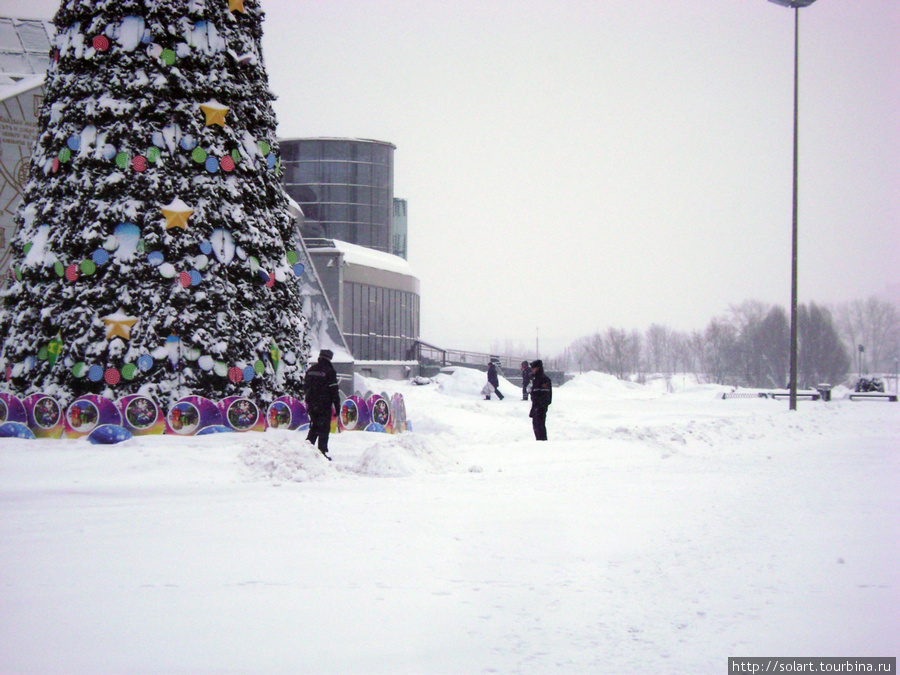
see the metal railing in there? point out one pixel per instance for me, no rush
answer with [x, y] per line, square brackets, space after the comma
[429, 355]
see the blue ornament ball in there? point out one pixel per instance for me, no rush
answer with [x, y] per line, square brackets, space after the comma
[15, 430]
[108, 434]
[214, 429]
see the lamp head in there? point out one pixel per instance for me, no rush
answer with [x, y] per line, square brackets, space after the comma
[793, 3]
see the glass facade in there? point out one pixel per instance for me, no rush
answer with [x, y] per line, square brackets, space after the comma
[344, 186]
[383, 322]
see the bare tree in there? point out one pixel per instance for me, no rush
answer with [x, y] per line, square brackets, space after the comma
[716, 348]
[776, 357]
[823, 357]
[660, 348]
[874, 324]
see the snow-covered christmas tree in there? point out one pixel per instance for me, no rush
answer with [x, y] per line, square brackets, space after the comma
[155, 253]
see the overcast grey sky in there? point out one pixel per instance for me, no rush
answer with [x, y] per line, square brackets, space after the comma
[572, 165]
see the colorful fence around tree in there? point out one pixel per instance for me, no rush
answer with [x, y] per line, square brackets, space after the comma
[102, 420]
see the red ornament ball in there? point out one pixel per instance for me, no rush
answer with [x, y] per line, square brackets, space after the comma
[227, 163]
[139, 163]
[72, 273]
[271, 281]
[235, 374]
[55, 166]
[112, 376]
[101, 43]
[184, 278]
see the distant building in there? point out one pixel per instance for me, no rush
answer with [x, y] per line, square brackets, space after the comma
[398, 229]
[344, 186]
[356, 234]
[24, 49]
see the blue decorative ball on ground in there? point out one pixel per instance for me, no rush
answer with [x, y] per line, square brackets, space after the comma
[109, 434]
[215, 429]
[15, 430]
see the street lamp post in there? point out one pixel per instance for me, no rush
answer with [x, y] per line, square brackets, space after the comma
[796, 5]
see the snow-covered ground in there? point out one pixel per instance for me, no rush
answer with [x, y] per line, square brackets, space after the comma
[654, 532]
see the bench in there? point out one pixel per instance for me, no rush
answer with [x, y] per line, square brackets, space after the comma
[736, 394]
[805, 395]
[872, 396]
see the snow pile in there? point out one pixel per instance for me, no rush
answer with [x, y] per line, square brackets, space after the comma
[283, 456]
[604, 385]
[462, 382]
[410, 455]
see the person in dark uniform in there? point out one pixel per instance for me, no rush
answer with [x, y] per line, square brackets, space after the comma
[494, 381]
[541, 398]
[320, 390]
[526, 378]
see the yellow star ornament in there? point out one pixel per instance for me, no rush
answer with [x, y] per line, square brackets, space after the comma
[215, 112]
[235, 5]
[176, 214]
[119, 324]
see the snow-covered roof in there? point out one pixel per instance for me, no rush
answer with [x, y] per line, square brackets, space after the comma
[335, 138]
[12, 87]
[367, 257]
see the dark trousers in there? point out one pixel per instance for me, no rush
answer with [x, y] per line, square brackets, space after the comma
[539, 423]
[496, 391]
[319, 428]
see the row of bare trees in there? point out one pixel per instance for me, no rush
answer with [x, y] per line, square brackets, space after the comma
[750, 346]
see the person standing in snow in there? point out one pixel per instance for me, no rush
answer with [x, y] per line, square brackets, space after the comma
[526, 378]
[541, 397]
[493, 381]
[320, 390]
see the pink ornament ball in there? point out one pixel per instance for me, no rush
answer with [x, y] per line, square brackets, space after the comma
[139, 163]
[112, 376]
[236, 375]
[227, 163]
[72, 273]
[184, 278]
[101, 43]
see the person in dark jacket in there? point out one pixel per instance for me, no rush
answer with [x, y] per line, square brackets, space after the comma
[494, 381]
[541, 398]
[526, 378]
[320, 390]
